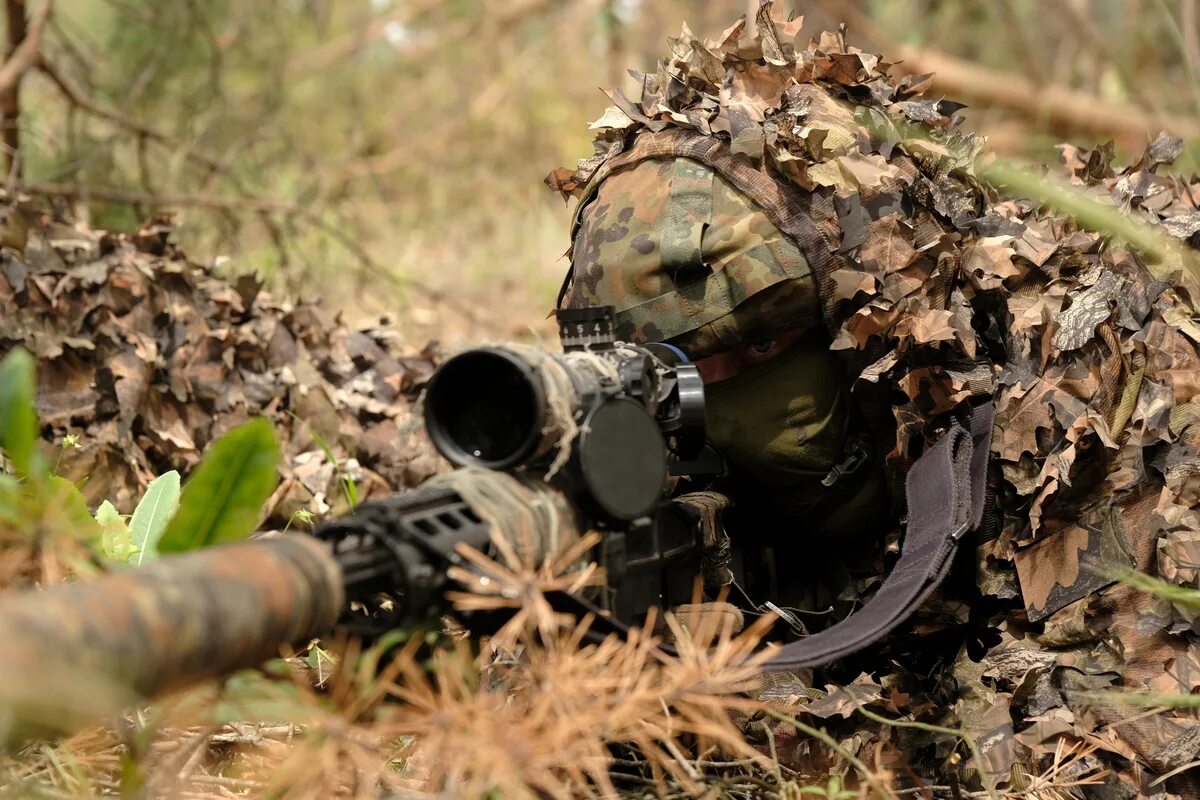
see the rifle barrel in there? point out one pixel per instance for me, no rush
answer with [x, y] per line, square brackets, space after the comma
[77, 652]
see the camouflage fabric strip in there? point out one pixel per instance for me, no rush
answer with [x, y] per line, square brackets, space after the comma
[746, 278]
[790, 210]
[689, 212]
[84, 650]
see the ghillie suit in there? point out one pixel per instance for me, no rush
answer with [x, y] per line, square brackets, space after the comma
[145, 357]
[766, 182]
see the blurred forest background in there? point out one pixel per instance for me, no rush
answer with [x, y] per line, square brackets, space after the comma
[387, 155]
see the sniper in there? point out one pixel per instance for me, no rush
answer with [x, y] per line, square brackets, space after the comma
[823, 243]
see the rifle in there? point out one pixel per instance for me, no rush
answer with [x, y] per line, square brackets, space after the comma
[591, 434]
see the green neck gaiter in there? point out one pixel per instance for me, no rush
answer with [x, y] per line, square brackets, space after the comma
[782, 424]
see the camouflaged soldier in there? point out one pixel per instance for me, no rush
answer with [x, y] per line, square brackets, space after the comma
[813, 234]
[686, 258]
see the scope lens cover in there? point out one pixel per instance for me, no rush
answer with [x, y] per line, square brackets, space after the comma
[623, 458]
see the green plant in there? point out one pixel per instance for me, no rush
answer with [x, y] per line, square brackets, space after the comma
[301, 515]
[348, 484]
[39, 511]
[833, 790]
[136, 541]
[18, 419]
[149, 521]
[116, 542]
[69, 442]
[222, 500]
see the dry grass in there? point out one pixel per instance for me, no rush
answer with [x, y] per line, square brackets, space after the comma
[536, 718]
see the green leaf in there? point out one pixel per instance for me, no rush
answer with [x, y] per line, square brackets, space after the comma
[108, 516]
[252, 695]
[10, 499]
[222, 499]
[18, 418]
[150, 518]
[65, 509]
[115, 540]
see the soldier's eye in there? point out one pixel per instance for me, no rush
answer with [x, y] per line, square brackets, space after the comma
[759, 351]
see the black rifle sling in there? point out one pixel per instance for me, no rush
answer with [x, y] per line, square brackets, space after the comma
[945, 492]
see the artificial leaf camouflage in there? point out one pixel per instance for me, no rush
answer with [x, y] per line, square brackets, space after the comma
[937, 288]
[148, 358]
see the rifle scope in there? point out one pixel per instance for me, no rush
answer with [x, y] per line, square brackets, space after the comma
[608, 405]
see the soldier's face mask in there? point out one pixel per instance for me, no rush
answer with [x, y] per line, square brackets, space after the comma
[782, 423]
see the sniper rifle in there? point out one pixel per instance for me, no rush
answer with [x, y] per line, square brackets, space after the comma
[588, 437]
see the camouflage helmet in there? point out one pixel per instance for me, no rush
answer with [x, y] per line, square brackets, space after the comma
[685, 257]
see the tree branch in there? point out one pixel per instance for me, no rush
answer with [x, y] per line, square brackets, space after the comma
[106, 194]
[27, 54]
[82, 100]
[1061, 105]
[21, 53]
[1189, 23]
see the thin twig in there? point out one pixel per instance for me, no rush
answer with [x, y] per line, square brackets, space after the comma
[82, 100]
[107, 194]
[27, 54]
[367, 260]
[816, 733]
[988, 784]
[1189, 23]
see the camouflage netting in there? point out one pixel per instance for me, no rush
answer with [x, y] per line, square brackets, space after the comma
[147, 357]
[937, 287]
